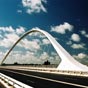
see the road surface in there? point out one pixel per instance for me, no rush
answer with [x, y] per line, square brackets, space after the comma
[46, 80]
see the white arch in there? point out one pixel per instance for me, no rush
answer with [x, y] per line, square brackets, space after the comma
[67, 61]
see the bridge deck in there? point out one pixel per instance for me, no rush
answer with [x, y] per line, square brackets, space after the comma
[41, 77]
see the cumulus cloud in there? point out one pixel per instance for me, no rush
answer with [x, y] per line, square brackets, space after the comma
[7, 29]
[10, 29]
[20, 30]
[9, 40]
[62, 28]
[10, 35]
[69, 43]
[75, 37]
[78, 46]
[21, 58]
[44, 56]
[34, 6]
[31, 45]
[81, 56]
[46, 41]
[83, 32]
[29, 57]
[37, 40]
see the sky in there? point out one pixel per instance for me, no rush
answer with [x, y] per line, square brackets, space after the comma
[65, 20]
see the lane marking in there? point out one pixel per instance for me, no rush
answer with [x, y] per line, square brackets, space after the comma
[47, 79]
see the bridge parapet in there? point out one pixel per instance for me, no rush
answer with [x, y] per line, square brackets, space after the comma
[53, 70]
[8, 82]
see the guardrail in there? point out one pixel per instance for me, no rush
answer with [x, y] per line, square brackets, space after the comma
[8, 82]
[52, 70]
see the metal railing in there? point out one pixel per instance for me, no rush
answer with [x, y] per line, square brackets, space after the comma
[64, 72]
[12, 82]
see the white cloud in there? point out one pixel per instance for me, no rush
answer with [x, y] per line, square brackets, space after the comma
[31, 45]
[10, 29]
[78, 46]
[53, 53]
[69, 43]
[10, 35]
[86, 35]
[34, 6]
[75, 37]
[20, 57]
[5, 43]
[44, 56]
[81, 56]
[7, 29]
[9, 40]
[46, 41]
[62, 28]
[27, 57]
[83, 32]
[37, 40]
[20, 30]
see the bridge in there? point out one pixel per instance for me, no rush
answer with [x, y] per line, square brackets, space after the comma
[68, 73]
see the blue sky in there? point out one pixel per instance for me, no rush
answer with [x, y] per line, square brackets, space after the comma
[66, 20]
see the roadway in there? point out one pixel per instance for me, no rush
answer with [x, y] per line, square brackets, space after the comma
[46, 80]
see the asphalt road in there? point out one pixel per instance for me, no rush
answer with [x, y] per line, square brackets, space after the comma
[47, 80]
